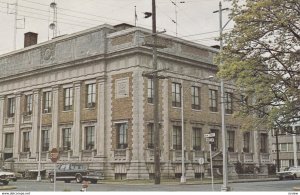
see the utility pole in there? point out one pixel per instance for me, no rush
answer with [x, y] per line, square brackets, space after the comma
[225, 186]
[155, 99]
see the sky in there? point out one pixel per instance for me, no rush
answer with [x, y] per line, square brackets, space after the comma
[195, 18]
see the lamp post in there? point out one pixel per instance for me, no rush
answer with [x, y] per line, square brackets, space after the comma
[183, 178]
[175, 5]
[225, 186]
[39, 178]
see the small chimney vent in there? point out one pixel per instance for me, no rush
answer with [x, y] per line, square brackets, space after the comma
[30, 38]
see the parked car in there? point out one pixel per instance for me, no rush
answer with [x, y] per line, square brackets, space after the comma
[289, 173]
[77, 172]
[12, 176]
[4, 178]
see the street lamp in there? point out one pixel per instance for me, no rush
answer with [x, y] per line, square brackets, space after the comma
[183, 178]
[225, 186]
[175, 4]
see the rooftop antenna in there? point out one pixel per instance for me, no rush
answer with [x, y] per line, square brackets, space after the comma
[53, 25]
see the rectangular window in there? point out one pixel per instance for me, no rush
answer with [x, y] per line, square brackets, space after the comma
[264, 143]
[11, 107]
[246, 140]
[28, 104]
[47, 97]
[66, 139]
[176, 94]
[177, 144]
[9, 140]
[26, 141]
[213, 100]
[91, 95]
[231, 135]
[122, 136]
[68, 99]
[195, 92]
[197, 138]
[89, 138]
[283, 147]
[150, 135]
[228, 103]
[45, 140]
[215, 144]
[150, 91]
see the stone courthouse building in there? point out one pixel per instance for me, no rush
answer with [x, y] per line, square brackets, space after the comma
[85, 94]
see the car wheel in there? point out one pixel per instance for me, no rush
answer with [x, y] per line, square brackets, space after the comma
[5, 183]
[94, 181]
[15, 179]
[51, 179]
[78, 178]
[280, 178]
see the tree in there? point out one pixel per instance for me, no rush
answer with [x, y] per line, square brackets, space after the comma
[261, 55]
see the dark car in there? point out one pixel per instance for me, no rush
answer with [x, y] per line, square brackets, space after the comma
[77, 172]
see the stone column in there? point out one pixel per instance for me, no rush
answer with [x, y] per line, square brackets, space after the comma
[17, 140]
[76, 131]
[35, 141]
[55, 133]
[167, 170]
[137, 169]
[1, 124]
[100, 130]
[256, 147]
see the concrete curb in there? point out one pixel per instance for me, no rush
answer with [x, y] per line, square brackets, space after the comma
[7, 187]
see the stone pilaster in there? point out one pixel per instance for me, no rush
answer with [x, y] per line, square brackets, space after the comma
[17, 139]
[256, 147]
[100, 130]
[76, 133]
[34, 143]
[167, 169]
[55, 133]
[137, 169]
[1, 124]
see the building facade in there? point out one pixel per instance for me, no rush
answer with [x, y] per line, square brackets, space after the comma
[288, 147]
[85, 94]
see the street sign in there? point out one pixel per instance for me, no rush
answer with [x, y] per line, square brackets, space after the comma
[209, 139]
[209, 135]
[54, 155]
[201, 161]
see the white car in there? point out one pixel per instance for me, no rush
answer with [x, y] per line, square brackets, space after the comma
[289, 172]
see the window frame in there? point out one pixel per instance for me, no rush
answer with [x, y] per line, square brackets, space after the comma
[28, 104]
[122, 135]
[213, 100]
[196, 97]
[176, 94]
[9, 140]
[47, 102]
[150, 91]
[228, 103]
[45, 140]
[177, 137]
[11, 106]
[89, 137]
[150, 128]
[231, 140]
[66, 139]
[68, 99]
[91, 94]
[26, 141]
[197, 138]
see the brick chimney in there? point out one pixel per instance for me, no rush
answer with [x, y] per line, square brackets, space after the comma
[30, 38]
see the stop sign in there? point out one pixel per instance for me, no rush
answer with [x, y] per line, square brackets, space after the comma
[54, 155]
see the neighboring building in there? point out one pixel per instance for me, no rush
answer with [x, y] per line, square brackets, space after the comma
[97, 107]
[286, 147]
